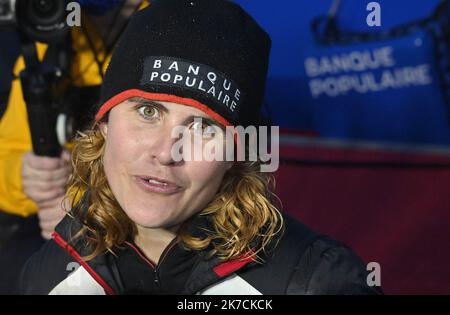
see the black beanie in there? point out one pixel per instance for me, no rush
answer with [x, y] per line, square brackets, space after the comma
[205, 53]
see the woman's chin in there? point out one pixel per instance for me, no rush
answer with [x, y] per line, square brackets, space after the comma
[149, 218]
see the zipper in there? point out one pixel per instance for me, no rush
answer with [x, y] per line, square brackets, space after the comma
[155, 267]
[161, 259]
[156, 277]
[166, 251]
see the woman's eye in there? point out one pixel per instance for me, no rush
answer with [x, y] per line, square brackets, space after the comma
[149, 112]
[203, 129]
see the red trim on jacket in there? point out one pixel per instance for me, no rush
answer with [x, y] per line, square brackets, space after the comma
[228, 267]
[147, 260]
[72, 252]
[123, 96]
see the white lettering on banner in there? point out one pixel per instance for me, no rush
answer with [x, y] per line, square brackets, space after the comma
[368, 82]
[337, 75]
[356, 61]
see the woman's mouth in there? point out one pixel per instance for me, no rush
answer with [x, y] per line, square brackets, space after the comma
[157, 185]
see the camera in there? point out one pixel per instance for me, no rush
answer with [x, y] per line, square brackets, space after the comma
[44, 82]
[38, 20]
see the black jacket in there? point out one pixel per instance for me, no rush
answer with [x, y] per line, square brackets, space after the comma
[303, 262]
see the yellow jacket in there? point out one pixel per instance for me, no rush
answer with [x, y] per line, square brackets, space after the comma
[15, 138]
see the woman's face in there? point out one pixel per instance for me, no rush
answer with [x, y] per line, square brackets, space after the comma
[152, 188]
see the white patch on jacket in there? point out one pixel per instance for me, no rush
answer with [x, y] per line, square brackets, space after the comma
[232, 285]
[79, 282]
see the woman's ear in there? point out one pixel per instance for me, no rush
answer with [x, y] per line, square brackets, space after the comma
[103, 129]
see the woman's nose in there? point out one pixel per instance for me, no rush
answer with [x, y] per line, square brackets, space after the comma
[162, 144]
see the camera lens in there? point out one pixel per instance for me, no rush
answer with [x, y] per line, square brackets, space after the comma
[45, 11]
[44, 8]
[42, 20]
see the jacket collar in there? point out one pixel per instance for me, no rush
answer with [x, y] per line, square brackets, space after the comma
[201, 270]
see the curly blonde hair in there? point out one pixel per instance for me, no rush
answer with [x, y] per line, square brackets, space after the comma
[242, 213]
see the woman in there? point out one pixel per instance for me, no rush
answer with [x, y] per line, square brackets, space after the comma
[147, 221]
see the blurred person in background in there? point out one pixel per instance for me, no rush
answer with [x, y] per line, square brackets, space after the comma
[31, 186]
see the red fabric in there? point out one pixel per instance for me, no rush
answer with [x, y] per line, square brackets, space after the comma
[398, 217]
[228, 267]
